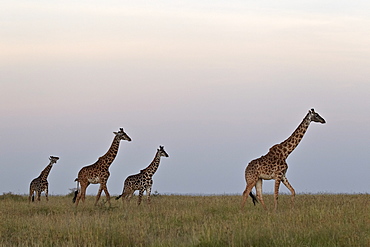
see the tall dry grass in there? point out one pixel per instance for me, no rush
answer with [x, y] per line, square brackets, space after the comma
[176, 220]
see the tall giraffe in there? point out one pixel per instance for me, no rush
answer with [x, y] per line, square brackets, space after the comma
[273, 164]
[98, 173]
[143, 180]
[40, 183]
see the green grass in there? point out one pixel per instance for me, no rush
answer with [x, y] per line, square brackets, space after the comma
[176, 220]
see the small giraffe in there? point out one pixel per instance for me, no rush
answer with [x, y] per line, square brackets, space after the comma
[40, 183]
[273, 164]
[143, 180]
[98, 173]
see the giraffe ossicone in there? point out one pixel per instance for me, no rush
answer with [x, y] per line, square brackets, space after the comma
[98, 173]
[142, 181]
[41, 184]
[273, 164]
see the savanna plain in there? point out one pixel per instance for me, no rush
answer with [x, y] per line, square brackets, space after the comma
[183, 220]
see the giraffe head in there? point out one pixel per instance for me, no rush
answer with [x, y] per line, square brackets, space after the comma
[122, 135]
[162, 152]
[315, 117]
[53, 159]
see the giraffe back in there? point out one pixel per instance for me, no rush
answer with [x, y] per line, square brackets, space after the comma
[95, 173]
[139, 181]
[39, 185]
[267, 167]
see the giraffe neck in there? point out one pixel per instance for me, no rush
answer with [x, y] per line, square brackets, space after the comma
[153, 167]
[110, 155]
[45, 173]
[295, 138]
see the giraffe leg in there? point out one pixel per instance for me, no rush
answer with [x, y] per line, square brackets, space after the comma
[38, 193]
[129, 195]
[287, 184]
[148, 191]
[141, 192]
[107, 194]
[47, 193]
[81, 194]
[78, 197]
[246, 192]
[276, 193]
[31, 196]
[99, 193]
[122, 195]
[126, 195]
[259, 192]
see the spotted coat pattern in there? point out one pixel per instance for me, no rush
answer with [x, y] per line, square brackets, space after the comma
[142, 181]
[98, 173]
[273, 165]
[41, 184]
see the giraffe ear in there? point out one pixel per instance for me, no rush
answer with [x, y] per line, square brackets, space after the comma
[115, 133]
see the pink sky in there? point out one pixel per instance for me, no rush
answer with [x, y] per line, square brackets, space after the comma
[216, 83]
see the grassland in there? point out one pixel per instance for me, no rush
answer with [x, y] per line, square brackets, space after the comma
[177, 220]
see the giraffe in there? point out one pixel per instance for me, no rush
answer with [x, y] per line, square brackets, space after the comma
[273, 164]
[143, 180]
[98, 173]
[40, 183]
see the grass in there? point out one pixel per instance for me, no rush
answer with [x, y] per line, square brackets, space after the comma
[178, 220]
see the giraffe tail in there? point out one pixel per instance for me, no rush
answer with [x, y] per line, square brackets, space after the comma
[254, 198]
[118, 197]
[76, 192]
[33, 198]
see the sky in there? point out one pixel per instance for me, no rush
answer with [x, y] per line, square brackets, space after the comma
[217, 83]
